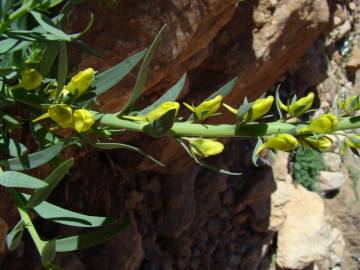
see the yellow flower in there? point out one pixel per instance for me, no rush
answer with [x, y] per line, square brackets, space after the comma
[353, 141]
[30, 79]
[326, 123]
[206, 108]
[61, 114]
[82, 120]
[81, 82]
[259, 108]
[282, 142]
[352, 104]
[205, 147]
[157, 112]
[322, 143]
[300, 106]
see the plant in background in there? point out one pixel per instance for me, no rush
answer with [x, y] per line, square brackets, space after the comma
[34, 80]
[307, 164]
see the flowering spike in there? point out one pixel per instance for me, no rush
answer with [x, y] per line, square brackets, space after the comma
[81, 82]
[30, 79]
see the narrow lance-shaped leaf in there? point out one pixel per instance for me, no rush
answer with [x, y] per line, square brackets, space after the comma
[33, 160]
[171, 95]
[49, 57]
[90, 239]
[255, 157]
[62, 67]
[277, 100]
[143, 74]
[110, 77]
[13, 239]
[128, 147]
[47, 24]
[20, 180]
[60, 215]
[52, 180]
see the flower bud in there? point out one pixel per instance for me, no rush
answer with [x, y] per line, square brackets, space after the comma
[205, 147]
[300, 106]
[81, 82]
[282, 142]
[157, 112]
[61, 114]
[353, 141]
[30, 79]
[350, 105]
[258, 109]
[326, 123]
[82, 120]
[206, 108]
[322, 143]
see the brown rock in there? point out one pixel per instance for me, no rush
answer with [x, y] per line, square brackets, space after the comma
[3, 232]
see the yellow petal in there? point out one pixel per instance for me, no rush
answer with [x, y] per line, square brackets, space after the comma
[191, 108]
[30, 79]
[82, 120]
[161, 110]
[81, 82]
[322, 143]
[205, 147]
[283, 142]
[302, 105]
[41, 117]
[207, 108]
[61, 114]
[260, 107]
[326, 123]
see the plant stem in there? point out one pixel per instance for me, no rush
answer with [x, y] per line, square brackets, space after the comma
[27, 220]
[187, 129]
[16, 14]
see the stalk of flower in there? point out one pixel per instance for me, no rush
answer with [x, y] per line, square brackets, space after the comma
[81, 82]
[258, 109]
[205, 147]
[282, 142]
[300, 106]
[321, 143]
[206, 108]
[326, 123]
[157, 112]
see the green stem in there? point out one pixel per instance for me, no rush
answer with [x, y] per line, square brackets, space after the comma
[27, 220]
[187, 129]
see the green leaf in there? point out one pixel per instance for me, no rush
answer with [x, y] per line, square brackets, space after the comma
[53, 180]
[16, 149]
[33, 160]
[171, 95]
[162, 125]
[225, 90]
[110, 77]
[47, 24]
[244, 108]
[90, 239]
[13, 238]
[20, 180]
[255, 157]
[144, 72]
[277, 102]
[62, 67]
[108, 146]
[48, 253]
[60, 215]
[48, 58]
[4, 71]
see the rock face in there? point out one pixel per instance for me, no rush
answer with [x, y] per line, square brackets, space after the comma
[305, 236]
[329, 181]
